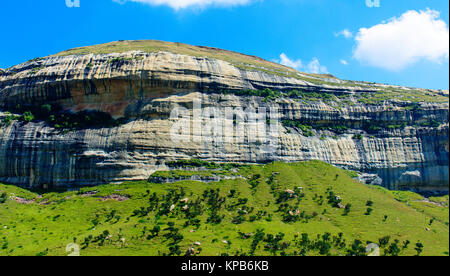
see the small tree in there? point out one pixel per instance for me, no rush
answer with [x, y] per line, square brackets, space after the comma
[406, 244]
[357, 249]
[347, 209]
[28, 116]
[431, 221]
[394, 249]
[155, 231]
[384, 241]
[3, 197]
[419, 248]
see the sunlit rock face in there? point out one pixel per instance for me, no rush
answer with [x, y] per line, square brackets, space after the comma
[145, 88]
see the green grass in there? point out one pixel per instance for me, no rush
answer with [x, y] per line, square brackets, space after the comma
[434, 207]
[54, 220]
[443, 200]
[413, 96]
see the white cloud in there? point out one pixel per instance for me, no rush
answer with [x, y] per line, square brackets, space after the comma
[312, 67]
[182, 4]
[345, 33]
[400, 42]
[343, 61]
[296, 64]
[315, 67]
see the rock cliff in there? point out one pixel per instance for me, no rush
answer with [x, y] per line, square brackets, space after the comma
[397, 134]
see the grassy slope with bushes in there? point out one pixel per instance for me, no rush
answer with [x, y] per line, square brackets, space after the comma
[252, 216]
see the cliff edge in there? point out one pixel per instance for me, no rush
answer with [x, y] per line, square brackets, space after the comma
[102, 114]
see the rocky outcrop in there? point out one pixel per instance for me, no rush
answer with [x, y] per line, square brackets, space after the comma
[118, 83]
[144, 88]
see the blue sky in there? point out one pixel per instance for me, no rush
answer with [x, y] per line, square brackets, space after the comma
[409, 50]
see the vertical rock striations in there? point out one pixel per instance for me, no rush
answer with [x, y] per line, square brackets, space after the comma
[404, 142]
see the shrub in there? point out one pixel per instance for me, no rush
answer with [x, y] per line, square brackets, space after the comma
[333, 200]
[306, 129]
[393, 250]
[192, 163]
[293, 94]
[419, 248]
[340, 129]
[347, 209]
[254, 181]
[257, 238]
[60, 119]
[406, 244]
[9, 118]
[357, 249]
[431, 221]
[214, 218]
[122, 59]
[238, 220]
[28, 116]
[384, 241]
[3, 197]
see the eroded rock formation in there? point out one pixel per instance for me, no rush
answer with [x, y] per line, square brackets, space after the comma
[144, 88]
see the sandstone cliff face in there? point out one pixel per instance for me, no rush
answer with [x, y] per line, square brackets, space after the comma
[113, 82]
[144, 88]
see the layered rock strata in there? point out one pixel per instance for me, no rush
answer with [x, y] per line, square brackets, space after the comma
[145, 88]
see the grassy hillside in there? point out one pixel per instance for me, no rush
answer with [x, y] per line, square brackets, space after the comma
[273, 209]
